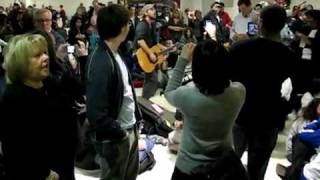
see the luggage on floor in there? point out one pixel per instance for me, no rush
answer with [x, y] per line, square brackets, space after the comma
[156, 120]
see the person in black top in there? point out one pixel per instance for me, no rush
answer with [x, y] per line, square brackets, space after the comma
[264, 111]
[145, 38]
[39, 114]
[77, 31]
[309, 52]
[213, 17]
[111, 102]
[126, 47]
[176, 25]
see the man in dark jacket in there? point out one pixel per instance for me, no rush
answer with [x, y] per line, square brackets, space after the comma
[214, 18]
[111, 104]
[264, 111]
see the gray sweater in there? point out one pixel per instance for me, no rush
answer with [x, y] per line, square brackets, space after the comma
[208, 119]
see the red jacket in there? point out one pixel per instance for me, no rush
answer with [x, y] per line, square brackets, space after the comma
[226, 20]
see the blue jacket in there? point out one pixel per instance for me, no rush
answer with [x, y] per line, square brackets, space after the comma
[311, 134]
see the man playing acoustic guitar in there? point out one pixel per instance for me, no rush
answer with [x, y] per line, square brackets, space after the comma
[146, 38]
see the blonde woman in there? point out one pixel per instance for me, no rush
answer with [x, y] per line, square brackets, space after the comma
[32, 132]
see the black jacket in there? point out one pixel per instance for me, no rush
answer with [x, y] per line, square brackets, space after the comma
[38, 129]
[266, 64]
[221, 33]
[145, 32]
[104, 90]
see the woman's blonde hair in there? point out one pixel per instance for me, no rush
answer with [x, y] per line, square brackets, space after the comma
[18, 55]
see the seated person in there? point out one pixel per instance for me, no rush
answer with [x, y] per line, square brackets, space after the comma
[305, 146]
[309, 113]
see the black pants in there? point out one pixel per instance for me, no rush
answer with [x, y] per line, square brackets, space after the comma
[260, 144]
[150, 85]
[227, 166]
[179, 175]
[300, 155]
[62, 162]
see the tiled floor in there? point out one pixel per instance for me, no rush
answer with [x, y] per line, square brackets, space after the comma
[165, 160]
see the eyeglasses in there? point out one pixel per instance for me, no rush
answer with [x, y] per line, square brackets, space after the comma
[44, 20]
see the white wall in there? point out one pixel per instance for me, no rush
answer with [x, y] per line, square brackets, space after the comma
[193, 4]
[315, 3]
[6, 3]
[203, 5]
[206, 6]
[69, 5]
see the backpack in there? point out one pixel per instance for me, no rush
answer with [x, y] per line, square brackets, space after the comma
[146, 157]
[156, 120]
[147, 163]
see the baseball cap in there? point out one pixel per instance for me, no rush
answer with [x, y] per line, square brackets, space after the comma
[146, 8]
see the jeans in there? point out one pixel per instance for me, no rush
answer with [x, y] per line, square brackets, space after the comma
[119, 159]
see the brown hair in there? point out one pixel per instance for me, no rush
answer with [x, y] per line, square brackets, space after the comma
[245, 2]
[310, 112]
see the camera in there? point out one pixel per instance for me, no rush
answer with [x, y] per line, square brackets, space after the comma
[70, 49]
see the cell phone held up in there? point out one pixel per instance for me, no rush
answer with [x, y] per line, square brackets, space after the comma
[210, 29]
[252, 29]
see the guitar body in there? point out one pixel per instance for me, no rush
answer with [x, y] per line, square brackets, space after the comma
[144, 61]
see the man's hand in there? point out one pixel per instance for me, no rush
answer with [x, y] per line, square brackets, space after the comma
[153, 57]
[240, 37]
[178, 124]
[187, 51]
[304, 38]
[60, 23]
[61, 51]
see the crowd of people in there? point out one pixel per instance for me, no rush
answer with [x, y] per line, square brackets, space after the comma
[62, 73]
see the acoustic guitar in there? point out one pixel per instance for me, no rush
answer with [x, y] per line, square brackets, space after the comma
[144, 61]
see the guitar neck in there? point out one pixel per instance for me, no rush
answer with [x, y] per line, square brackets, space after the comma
[167, 50]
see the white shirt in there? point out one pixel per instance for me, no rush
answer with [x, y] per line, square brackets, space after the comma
[311, 170]
[240, 24]
[126, 116]
[133, 20]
